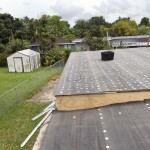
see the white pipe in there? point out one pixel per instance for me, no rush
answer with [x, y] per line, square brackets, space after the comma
[51, 105]
[34, 130]
[42, 113]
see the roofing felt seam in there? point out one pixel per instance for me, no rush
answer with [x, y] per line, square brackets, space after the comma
[86, 73]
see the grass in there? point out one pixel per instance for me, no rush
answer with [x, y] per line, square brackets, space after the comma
[9, 80]
[16, 124]
[15, 121]
[36, 80]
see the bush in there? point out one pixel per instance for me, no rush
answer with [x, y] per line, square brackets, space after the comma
[55, 55]
[2, 48]
[67, 52]
[15, 45]
[3, 59]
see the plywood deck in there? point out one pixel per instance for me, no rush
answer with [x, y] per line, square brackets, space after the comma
[86, 78]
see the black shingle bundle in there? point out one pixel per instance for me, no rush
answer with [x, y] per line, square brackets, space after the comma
[108, 55]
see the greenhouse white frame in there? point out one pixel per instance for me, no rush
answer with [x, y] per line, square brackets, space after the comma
[24, 61]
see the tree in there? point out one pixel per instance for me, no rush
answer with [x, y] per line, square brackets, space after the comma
[7, 26]
[144, 21]
[2, 48]
[96, 43]
[48, 29]
[98, 31]
[80, 28]
[15, 45]
[70, 37]
[124, 27]
[143, 30]
[97, 21]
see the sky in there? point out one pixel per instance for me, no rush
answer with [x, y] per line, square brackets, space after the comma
[72, 10]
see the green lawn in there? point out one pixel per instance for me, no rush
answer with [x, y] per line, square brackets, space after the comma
[9, 80]
[16, 124]
[15, 112]
[25, 90]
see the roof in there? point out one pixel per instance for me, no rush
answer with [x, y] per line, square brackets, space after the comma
[129, 37]
[131, 44]
[115, 127]
[86, 73]
[77, 40]
[28, 52]
[63, 41]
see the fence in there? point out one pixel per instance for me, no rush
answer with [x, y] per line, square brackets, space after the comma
[27, 88]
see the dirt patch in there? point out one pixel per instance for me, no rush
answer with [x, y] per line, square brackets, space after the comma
[46, 93]
[40, 137]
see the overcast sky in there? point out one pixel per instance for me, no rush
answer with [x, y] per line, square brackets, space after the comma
[72, 10]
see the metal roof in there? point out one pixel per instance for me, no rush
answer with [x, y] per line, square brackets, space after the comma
[131, 44]
[129, 37]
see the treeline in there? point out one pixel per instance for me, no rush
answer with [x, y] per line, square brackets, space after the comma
[97, 27]
[15, 33]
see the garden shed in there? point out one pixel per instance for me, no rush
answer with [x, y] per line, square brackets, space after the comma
[24, 61]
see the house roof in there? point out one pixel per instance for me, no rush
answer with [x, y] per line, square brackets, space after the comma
[122, 126]
[63, 41]
[119, 75]
[129, 37]
[79, 40]
[131, 44]
[115, 127]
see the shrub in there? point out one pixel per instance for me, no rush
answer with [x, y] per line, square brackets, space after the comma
[55, 55]
[3, 59]
[2, 48]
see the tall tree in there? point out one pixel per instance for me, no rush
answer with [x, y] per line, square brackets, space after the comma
[48, 29]
[97, 21]
[143, 30]
[7, 26]
[124, 27]
[93, 26]
[145, 21]
[80, 28]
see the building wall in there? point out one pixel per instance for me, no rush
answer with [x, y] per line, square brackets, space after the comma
[66, 46]
[80, 46]
[35, 61]
[25, 63]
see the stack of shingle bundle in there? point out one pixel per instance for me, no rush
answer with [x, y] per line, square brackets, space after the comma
[108, 55]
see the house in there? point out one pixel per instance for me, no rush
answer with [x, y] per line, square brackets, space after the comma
[130, 41]
[78, 44]
[63, 43]
[81, 45]
[23, 61]
[33, 46]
